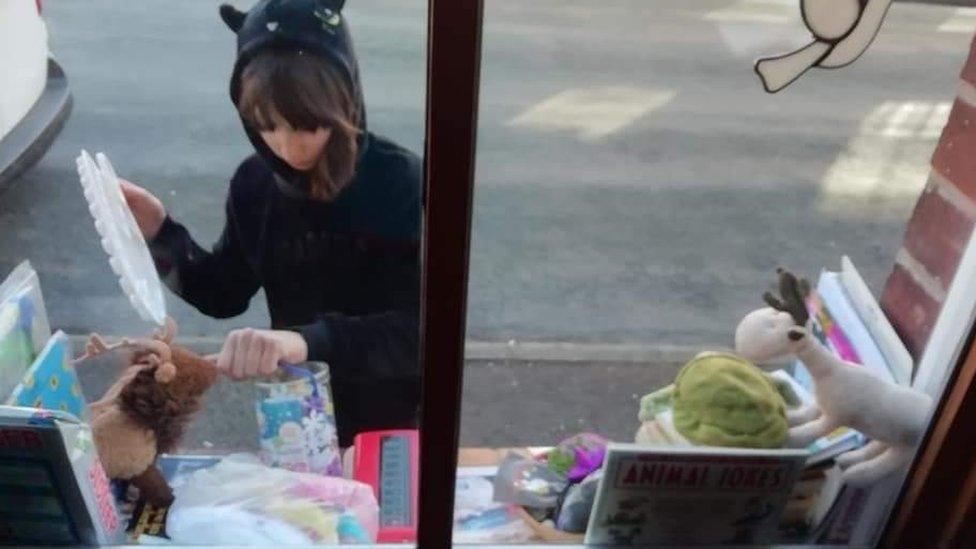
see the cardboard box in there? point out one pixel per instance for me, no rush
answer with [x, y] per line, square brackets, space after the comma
[53, 490]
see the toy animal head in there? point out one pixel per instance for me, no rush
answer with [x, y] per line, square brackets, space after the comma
[768, 333]
[164, 386]
[165, 397]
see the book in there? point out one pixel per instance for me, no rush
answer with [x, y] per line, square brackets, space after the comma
[813, 496]
[478, 518]
[845, 319]
[825, 328]
[51, 382]
[686, 495]
[860, 513]
[893, 350]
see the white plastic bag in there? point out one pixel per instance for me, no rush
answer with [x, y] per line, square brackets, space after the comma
[293, 508]
[227, 525]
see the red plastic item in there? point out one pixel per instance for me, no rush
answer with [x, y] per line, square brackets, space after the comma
[388, 461]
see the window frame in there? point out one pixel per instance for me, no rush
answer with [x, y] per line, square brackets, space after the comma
[453, 83]
[938, 498]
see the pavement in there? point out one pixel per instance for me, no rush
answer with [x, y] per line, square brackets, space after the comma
[635, 187]
[545, 401]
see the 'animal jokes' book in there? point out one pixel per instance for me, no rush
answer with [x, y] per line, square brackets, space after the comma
[691, 495]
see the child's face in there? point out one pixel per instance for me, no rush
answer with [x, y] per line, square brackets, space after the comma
[301, 149]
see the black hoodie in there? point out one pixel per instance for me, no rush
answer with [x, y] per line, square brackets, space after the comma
[345, 274]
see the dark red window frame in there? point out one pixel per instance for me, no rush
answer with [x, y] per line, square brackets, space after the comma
[454, 60]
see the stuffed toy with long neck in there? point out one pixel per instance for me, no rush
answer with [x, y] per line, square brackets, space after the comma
[847, 394]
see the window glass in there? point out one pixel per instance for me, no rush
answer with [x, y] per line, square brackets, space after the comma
[637, 189]
[270, 157]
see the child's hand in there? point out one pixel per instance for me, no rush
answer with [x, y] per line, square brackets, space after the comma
[146, 208]
[251, 353]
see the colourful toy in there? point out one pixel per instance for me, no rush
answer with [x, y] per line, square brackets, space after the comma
[146, 411]
[893, 416]
[578, 456]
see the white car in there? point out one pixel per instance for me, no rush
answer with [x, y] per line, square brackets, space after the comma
[34, 96]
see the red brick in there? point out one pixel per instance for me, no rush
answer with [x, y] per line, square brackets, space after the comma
[910, 309]
[936, 236]
[955, 156]
[969, 69]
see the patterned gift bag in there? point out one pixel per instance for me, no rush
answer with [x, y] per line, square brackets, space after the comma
[296, 420]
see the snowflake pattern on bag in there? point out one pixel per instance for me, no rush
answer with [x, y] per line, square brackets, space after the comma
[297, 427]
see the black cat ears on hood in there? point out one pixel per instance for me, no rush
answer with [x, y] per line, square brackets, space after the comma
[234, 18]
[313, 26]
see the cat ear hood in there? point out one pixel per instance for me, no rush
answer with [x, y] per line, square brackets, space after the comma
[313, 26]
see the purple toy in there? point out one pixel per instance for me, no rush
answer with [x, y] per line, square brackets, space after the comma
[578, 456]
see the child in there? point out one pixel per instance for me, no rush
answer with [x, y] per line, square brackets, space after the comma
[325, 217]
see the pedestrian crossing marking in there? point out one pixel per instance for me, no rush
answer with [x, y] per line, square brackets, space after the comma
[962, 20]
[756, 11]
[593, 113]
[889, 155]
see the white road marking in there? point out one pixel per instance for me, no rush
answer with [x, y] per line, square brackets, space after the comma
[750, 39]
[752, 28]
[889, 155]
[593, 113]
[756, 11]
[962, 20]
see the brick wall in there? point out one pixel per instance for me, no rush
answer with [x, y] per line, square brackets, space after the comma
[940, 225]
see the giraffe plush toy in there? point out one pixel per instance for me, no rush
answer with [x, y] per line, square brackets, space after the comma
[892, 416]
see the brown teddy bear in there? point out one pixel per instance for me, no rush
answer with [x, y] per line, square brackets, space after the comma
[146, 411]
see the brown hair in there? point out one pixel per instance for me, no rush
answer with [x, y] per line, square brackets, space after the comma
[309, 93]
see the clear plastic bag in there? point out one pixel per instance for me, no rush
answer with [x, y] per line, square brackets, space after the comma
[24, 327]
[264, 505]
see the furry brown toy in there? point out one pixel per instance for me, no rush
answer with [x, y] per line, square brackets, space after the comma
[146, 411]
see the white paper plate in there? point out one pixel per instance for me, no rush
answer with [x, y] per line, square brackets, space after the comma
[127, 251]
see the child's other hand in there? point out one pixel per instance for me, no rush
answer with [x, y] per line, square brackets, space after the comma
[146, 208]
[250, 353]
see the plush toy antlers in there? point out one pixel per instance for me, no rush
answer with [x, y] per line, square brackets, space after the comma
[794, 292]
